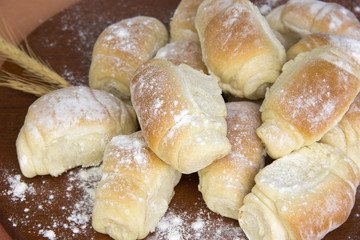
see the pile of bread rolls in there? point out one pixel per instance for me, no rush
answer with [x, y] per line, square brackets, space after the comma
[156, 109]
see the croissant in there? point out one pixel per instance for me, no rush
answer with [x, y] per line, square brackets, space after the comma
[70, 127]
[239, 47]
[120, 49]
[303, 195]
[181, 113]
[348, 45]
[298, 18]
[186, 52]
[182, 24]
[310, 97]
[345, 135]
[134, 191]
[225, 182]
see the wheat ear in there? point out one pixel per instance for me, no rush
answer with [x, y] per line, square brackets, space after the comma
[39, 72]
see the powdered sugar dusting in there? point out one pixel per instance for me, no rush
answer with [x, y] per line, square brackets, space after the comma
[39, 214]
[195, 226]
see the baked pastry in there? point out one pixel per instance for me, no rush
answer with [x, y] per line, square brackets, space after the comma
[70, 127]
[239, 47]
[310, 97]
[303, 195]
[181, 113]
[298, 18]
[186, 52]
[134, 191]
[120, 49]
[349, 45]
[225, 182]
[182, 24]
[346, 134]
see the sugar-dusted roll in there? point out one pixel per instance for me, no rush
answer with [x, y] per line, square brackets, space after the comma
[120, 49]
[134, 191]
[349, 45]
[181, 113]
[303, 195]
[239, 47]
[182, 24]
[225, 182]
[70, 127]
[310, 97]
[346, 134]
[186, 52]
[298, 18]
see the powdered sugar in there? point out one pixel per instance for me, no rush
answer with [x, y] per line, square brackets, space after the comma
[39, 214]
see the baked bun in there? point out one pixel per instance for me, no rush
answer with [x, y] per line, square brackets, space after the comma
[120, 49]
[70, 127]
[348, 45]
[303, 195]
[135, 189]
[225, 182]
[181, 113]
[239, 47]
[346, 134]
[310, 97]
[298, 18]
[186, 52]
[182, 24]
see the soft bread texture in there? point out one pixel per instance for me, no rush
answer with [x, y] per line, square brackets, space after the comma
[120, 49]
[181, 113]
[303, 195]
[135, 189]
[182, 24]
[346, 134]
[226, 181]
[239, 47]
[186, 52]
[309, 98]
[348, 45]
[298, 18]
[70, 127]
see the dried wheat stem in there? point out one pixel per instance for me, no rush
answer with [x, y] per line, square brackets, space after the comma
[30, 64]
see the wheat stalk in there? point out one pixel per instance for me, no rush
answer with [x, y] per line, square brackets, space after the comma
[40, 77]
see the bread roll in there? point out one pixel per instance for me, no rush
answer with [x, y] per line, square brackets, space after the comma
[303, 195]
[346, 134]
[181, 113]
[186, 52]
[120, 49]
[239, 47]
[182, 24]
[226, 181]
[349, 45]
[308, 99]
[70, 127]
[298, 18]
[135, 189]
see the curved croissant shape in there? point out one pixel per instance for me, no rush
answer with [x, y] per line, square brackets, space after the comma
[135, 189]
[239, 47]
[181, 113]
[310, 97]
[120, 49]
[182, 24]
[298, 18]
[225, 182]
[346, 134]
[303, 195]
[348, 45]
[70, 127]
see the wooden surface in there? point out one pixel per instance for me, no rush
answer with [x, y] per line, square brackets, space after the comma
[61, 206]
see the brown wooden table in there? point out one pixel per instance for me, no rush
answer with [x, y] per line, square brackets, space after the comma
[60, 206]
